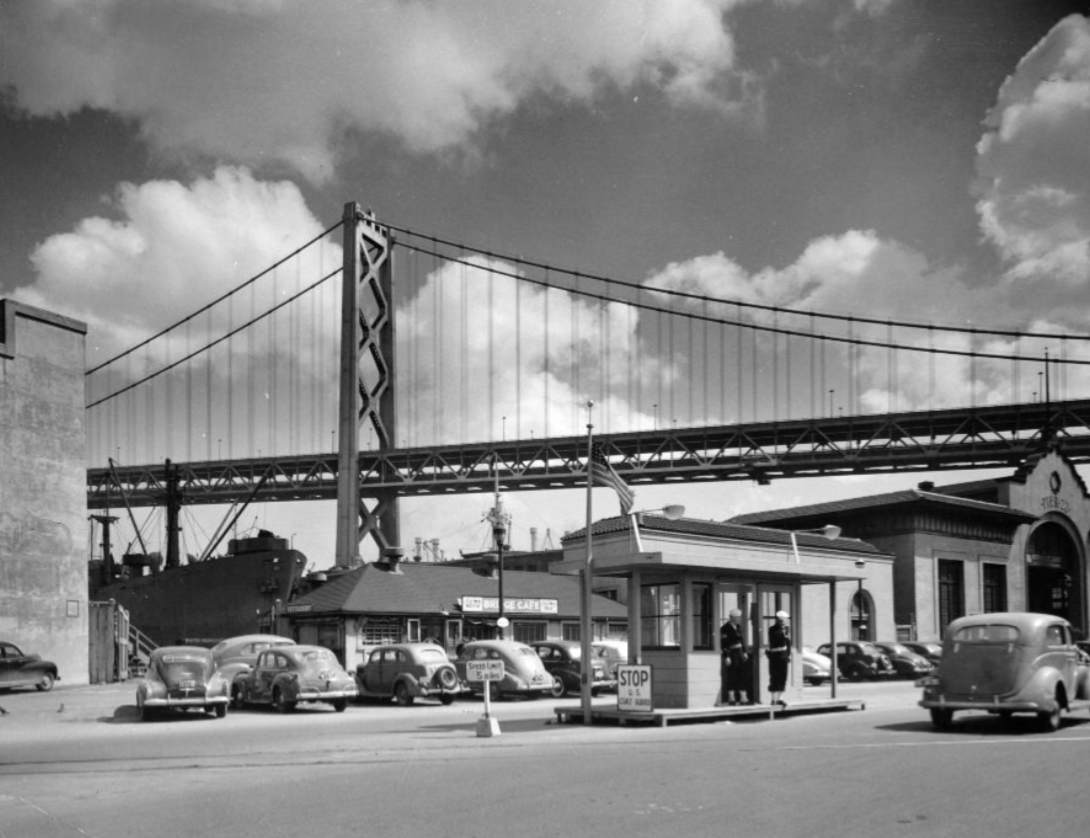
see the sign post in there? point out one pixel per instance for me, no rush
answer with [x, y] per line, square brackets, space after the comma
[634, 688]
[486, 671]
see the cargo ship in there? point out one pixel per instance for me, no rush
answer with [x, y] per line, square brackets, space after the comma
[202, 601]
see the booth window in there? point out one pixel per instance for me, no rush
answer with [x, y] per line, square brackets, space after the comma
[529, 631]
[702, 615]
[660, 616]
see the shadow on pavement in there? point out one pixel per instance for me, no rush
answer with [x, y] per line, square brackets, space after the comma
[981, 724]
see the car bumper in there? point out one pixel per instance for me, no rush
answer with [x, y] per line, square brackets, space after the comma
[325, 695]
[992, 705]
[197, 701]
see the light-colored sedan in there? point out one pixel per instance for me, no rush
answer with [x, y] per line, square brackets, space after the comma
[407, 671]
[286, 675]
[181, 678]
[524, 673]
[816, 669]
[1009, 662]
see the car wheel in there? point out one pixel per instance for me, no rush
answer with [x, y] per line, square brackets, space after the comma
[339, 704]
[281, 704]
[147, 714]
[494, 693]
[447, 678]
[559, 688]
[45, 683]
[401, 694]
[446, 698]
[941, 718]
[1050, 719]
[236, 697]
[221, 710]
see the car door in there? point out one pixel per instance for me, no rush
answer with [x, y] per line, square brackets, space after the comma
[372, 672]
[262, 679]
[1064, 654]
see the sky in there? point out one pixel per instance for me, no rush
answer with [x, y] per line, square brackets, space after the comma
[918, 159]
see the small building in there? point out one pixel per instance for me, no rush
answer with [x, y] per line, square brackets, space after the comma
[43, 487]
[1014, 543]
[392, 601]
[685, 575]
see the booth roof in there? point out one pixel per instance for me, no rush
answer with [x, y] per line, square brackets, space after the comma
[720, 530]
[431, 588]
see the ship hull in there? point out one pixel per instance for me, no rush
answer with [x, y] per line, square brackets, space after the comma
[204, 602]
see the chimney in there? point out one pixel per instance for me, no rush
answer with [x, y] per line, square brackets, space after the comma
[533, 539]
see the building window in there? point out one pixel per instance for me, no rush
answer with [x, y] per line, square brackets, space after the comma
[571, 631]
[375, 631]
[995, 587]
[951, 592]
[660, 616]
[702, 615]
[413, 627]
[861, 615]
[529, 632]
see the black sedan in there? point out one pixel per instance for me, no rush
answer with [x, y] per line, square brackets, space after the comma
[907, 663]
[563, 660]
[21, 670]
[858, 660]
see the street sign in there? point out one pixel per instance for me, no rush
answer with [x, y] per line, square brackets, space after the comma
[486, 670]
[634, 688]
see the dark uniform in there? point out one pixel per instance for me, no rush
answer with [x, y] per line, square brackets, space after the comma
[733, 650]
[779, 653]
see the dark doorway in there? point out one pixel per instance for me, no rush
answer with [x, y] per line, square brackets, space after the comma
[1052, 574]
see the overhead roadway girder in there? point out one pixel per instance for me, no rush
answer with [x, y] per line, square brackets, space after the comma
[985, 437]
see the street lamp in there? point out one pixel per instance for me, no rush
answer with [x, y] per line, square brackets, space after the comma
[830, 531]
[671, 512]
[499, 533]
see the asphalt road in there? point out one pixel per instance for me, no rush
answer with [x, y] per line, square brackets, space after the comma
[79, 763]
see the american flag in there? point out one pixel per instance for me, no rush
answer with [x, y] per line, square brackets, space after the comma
[602, 474]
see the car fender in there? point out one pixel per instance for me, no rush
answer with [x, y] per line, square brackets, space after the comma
[1042, 687]
[412, 684]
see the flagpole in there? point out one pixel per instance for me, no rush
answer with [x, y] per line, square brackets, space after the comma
[586, 624]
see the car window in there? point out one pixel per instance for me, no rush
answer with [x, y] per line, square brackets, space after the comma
[988, 633]
[1054, 635]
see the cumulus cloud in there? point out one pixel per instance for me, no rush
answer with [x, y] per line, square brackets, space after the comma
[1034, 171]
[255, 80]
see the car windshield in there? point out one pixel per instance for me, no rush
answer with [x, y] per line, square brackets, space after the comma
[317, 659]
[988, 633]
[432, 655]
[897, 649]
[174, 668]
[870, 649]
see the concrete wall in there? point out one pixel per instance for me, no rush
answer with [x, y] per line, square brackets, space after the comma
[43, 488]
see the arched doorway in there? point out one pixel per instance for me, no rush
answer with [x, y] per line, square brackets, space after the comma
[862, 616]
[1053, 575]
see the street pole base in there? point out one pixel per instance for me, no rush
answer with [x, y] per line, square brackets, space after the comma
[488, 726]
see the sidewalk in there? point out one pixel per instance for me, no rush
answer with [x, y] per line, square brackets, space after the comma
[76, 703]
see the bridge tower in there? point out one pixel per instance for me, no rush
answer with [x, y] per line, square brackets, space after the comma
[366, 383]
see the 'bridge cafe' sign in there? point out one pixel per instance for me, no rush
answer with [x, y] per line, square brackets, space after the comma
[511, 605]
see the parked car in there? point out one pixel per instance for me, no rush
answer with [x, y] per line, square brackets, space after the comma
[237, 654]
[932, 649]
[564, 660]
[816, 668]
[859, 660]
[524, 673]
[18, 669]
[1008, 662]
[285, 675]
[613, 653]
[406, 671]
[906, 663]
[181, 678]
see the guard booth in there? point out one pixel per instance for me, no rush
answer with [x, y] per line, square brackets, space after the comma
[684, 576]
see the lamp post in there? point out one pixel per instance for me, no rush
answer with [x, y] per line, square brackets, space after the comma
[830, 531]
[671, 512]
[499, 533]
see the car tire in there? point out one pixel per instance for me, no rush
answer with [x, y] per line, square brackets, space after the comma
[339, 704]
[220, 710]
[446, 698]
[401, 694]
[45, 683]
[147, 714]
[559, 688]
[1050, 719]
[281, 704]
[494, 693]
[447, 678]
[236, 697]
[941, 718]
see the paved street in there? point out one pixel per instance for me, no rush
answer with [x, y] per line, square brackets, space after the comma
[78, 762]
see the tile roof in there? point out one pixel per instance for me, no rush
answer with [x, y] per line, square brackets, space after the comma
[430, 588]
[906, 496]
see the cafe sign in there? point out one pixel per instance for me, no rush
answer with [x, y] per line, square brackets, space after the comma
[511, 605]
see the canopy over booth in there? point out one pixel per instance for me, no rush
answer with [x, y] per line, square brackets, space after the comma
[684, 576]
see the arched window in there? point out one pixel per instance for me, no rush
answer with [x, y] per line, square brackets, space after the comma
[862, 615]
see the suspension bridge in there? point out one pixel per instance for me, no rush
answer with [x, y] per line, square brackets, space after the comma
[376, 362]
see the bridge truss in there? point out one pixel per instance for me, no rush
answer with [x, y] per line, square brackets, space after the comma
[982, 437]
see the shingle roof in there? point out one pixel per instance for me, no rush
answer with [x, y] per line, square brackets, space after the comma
[427, 588]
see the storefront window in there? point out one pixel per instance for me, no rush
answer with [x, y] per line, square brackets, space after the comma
[660, 616]
[702, 615]
[529, 632]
